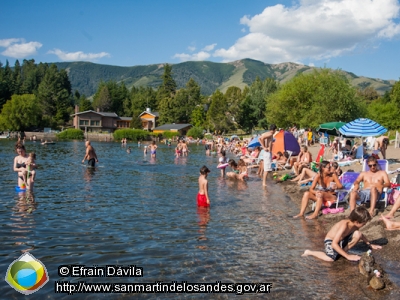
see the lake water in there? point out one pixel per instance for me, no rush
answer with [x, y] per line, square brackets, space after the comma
[130, 210]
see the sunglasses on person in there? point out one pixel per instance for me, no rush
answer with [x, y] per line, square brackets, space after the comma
[373, 165]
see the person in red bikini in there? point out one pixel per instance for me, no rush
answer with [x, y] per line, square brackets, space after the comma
[202, 196]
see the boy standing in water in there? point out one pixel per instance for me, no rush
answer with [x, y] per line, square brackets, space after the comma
[343, 236]
[202, 196]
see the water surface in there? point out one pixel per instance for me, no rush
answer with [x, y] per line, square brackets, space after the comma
[131, 210]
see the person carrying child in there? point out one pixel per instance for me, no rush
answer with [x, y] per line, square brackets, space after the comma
[343, 236]
[202, 195]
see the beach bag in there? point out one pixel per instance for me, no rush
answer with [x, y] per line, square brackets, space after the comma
[393, 196]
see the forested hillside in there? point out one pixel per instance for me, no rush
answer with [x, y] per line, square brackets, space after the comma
[85, 77]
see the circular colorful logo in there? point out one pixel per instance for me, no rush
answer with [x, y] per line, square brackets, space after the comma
[27, 274]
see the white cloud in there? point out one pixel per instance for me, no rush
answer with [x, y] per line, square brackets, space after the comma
[314, 29]
[209, 47]
[191, 48]
[78, 56]
[18, 48]
[199, 56]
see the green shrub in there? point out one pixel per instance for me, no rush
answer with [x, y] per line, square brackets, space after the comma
[71, 134]
[170, 134]
[131, 134]
[195, 132]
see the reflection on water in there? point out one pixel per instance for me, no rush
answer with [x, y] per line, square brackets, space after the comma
[132, 210]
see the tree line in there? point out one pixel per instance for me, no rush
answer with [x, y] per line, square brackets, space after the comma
[39, 95]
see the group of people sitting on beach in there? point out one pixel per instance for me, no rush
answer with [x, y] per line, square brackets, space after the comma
[324, 179]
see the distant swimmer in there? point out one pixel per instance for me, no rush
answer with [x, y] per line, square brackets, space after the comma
[90, 155]
[128, 150]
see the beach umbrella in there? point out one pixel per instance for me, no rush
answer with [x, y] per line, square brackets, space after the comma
[254, 143]
[234, 137]
[361, 128]
[284, 141]
[331, 128]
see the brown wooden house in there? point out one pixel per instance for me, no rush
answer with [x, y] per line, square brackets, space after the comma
[92, 121]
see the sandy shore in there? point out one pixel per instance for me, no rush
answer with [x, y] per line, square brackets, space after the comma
[374, 230]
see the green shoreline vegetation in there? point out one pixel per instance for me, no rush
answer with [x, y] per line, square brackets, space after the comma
[35, 96]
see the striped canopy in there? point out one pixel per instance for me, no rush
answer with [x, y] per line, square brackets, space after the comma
[361, 128]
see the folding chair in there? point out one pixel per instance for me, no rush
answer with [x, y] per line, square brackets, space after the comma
[347, 179]
[383, 164]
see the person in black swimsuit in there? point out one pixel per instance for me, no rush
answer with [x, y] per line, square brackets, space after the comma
[90, 155]
[20, 165]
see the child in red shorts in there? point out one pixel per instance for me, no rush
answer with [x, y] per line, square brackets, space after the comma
[202, 196]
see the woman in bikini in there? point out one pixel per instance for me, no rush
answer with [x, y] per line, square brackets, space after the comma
[20, 165]
[303, 160]
[322, 190]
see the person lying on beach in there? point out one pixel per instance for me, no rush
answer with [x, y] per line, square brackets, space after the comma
[307, 175]
[374, 181]
[390, 225]
[325, 194]
[343, 236]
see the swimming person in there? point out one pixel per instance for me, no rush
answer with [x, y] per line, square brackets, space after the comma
[90, 155]
[128, 150]
[343, 236]
[202, 195]
[153, 149]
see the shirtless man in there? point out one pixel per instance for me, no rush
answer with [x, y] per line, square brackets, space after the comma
[90, 155]
[185, 149]
[153, 149]
[266, 143]
[381, 144]
[374, 182]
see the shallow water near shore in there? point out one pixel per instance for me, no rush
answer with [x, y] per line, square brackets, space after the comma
[133, 210]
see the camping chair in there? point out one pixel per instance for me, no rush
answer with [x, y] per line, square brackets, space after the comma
[256, 162]
[347, 179]
[383, 165]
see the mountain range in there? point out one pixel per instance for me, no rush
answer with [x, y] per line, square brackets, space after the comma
[85, 76]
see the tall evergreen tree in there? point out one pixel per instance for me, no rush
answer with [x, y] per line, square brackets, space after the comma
[54, 96]
[165, 96]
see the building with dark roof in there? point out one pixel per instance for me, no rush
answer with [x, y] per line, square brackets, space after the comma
[92, 121]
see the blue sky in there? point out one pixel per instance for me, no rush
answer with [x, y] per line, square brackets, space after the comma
[359, 36]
